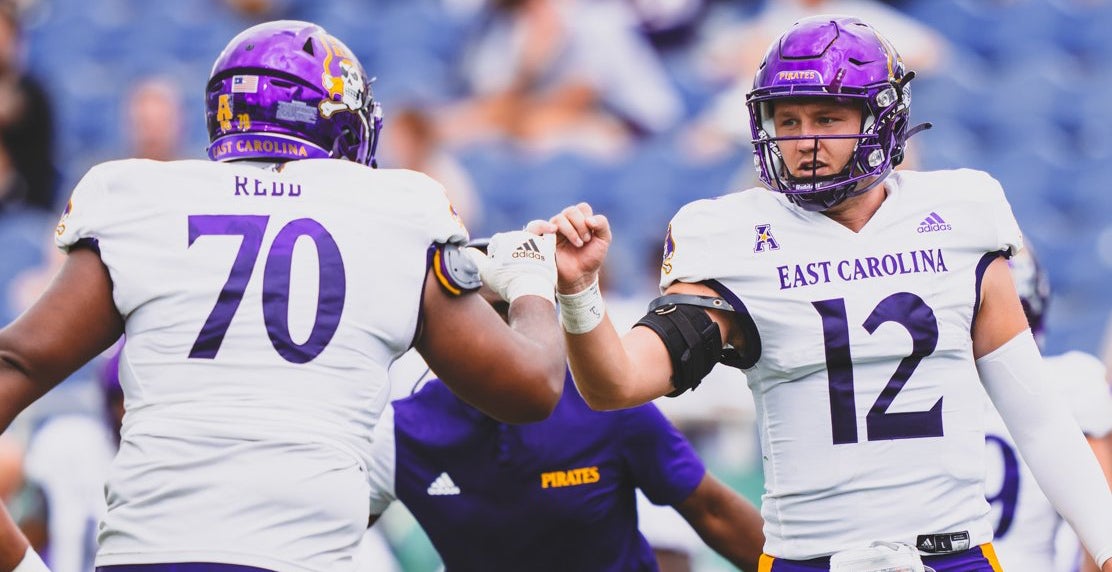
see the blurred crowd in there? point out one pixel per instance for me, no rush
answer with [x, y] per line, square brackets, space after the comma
[521, 107]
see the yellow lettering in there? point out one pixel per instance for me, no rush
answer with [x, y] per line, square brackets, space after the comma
[224, 112]
[257, 145]
[801, 74]
[244, 121]
[301, 151]
[570, 478]
[268, 146]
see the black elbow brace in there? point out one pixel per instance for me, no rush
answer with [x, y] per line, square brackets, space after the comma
[693, 340]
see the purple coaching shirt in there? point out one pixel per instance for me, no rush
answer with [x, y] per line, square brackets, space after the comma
[553, 495]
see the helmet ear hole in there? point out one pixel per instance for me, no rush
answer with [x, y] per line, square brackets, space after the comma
[308, 47]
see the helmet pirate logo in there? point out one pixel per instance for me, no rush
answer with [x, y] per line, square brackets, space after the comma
[348, 86]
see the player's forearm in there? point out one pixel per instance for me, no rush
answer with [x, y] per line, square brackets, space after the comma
[527, 381]
[607, 375]
[534, 318]
[726, 522]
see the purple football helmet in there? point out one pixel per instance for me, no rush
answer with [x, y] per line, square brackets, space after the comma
[1033, 287]
[843, 58]
[288, 90]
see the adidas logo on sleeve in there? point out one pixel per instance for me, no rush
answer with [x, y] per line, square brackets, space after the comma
[528, 249]
[443, 486]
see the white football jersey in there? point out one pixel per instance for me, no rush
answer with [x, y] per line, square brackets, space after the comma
[870, 410]
[1026, 524]
[263, 306]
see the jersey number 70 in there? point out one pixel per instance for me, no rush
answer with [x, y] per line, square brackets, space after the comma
[276, 283]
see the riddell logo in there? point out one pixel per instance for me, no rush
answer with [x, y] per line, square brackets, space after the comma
[528, 249]
[933, 223]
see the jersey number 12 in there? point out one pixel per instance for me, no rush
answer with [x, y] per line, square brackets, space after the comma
[909, 311]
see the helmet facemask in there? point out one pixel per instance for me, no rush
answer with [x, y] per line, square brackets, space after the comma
[851, 65]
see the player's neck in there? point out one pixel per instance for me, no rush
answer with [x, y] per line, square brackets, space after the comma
[855, 212]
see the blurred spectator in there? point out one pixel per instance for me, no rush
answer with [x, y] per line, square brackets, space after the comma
[411, 142]
[561, 75]
[27, 172]
[22, 288]
[731, 53]
[259, 10]
[153, 120]
[669, 23]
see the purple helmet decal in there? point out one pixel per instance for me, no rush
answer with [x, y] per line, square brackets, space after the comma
[845, 59]
[289, 90]
[1033, 287]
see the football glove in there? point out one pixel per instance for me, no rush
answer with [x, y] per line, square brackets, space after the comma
[518, 263]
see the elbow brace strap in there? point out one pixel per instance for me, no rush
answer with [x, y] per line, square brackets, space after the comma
[1049, 440]
[693, 340]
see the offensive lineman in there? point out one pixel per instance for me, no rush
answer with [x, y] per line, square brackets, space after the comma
[264, 295]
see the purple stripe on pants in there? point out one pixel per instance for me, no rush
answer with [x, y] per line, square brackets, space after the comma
[181, 567]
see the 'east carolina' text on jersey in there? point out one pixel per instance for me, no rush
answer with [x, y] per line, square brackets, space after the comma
[869, 403]
[263, 306]
[555, 495]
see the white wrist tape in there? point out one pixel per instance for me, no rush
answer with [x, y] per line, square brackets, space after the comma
[1050, 440]
[31, 562]
[583, 311]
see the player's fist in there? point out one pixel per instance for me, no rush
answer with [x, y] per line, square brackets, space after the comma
[518, 263]
[583, 239]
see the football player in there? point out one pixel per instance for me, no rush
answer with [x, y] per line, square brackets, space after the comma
[264, 294]
[866, 307]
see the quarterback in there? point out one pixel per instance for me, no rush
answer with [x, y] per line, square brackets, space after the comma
[867, 308]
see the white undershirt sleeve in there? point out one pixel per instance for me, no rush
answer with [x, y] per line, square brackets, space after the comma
[1049, 440]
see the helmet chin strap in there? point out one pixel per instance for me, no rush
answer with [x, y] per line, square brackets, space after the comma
[822, 200]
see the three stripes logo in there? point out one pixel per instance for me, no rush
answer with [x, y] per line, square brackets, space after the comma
[933, 223]
[528, 249]
[443, 486]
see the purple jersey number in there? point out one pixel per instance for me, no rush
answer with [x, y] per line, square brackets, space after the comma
[909, 311]
[276, 283]
[1008, 495]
